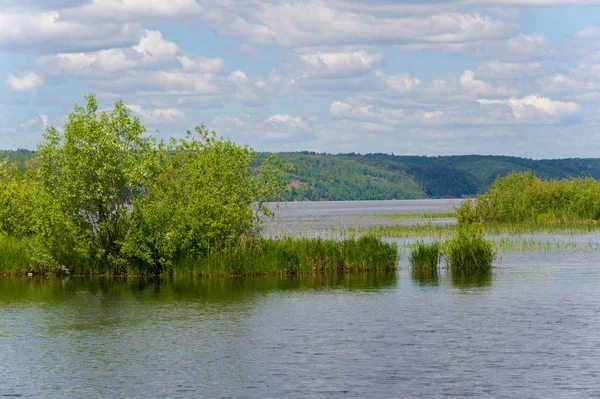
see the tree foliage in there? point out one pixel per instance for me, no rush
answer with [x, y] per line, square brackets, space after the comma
[205, 197]
[102, 193]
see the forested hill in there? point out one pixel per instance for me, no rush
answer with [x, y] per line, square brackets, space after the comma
[381, 176]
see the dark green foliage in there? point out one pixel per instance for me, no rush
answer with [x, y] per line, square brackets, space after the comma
[424, 255]
[468, 251]
[381, 176]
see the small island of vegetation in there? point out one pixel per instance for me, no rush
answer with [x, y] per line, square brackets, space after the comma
[100, 196]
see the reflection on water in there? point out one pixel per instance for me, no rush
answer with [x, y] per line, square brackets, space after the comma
[182, 288]
[425, 276]
[532, 333]
[471, 279]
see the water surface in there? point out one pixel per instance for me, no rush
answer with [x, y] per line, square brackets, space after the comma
[528, 329]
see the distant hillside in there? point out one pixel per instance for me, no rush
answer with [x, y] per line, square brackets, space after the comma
[380, 176]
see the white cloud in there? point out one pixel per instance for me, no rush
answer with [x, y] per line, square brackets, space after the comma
[238, 76]
[25, 82]
[536, 109]
[314, 23]
[153, 44]
[401, 83]
[157, 115]
[589, 32]
[496, 70]
[520, 47]
[201, 64]
[48, 31]
[142, 8]
[340, 63]
[151, 50]
[293, 122]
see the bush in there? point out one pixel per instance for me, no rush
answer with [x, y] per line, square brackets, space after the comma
[468, 250]
[525, 198]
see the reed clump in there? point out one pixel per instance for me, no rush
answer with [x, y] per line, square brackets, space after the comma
[425, 255]
[468, 251]
[286, 256]
[525, 198]
[292, 256]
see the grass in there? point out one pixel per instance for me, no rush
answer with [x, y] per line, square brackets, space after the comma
[268, 256]
[430, 215]
[14, 256]
[446, 230]
[425, 255]
[526, 198]
[293, 256]
[468, 251]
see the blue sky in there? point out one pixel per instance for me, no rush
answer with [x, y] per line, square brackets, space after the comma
[430, 77]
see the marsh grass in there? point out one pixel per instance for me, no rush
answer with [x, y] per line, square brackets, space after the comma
[267, 256]
[468, 251]
[14, 256]
[293, 256]
[525, 198]
[425, 255]
[430, 215]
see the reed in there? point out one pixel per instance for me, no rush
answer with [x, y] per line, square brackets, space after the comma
[425, 255]
[14, 256]
[426, 215]
[292, 256]
[526, 198]
[469, 251]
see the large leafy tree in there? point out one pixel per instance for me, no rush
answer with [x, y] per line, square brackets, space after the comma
[17, 199]
[111, 197]
[89, 173]
[206, 196]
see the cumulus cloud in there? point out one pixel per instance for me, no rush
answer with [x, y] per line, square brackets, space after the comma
[520, 47]
[201, 64]
[536, 109]
[24, 82]
[157, 115]
[47, 31]
[497, 70]
[588, 32]
[294, 122]
[401, 83]
[340, 64]
[152, 49]
[314, 23]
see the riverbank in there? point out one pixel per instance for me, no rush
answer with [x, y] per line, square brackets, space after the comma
[286, 256]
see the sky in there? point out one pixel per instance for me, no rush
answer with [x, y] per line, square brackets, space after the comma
[429, 77]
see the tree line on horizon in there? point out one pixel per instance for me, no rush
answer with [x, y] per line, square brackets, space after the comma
[336, 177]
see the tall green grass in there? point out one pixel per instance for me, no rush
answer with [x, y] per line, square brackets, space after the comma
[260, 257]
[425, 255]
[14, 256]
[293, 256]
[526, 198]
[468, 251]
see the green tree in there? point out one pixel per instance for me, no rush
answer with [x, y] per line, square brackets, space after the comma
[206, 197]
[89, 174]
[17, 199]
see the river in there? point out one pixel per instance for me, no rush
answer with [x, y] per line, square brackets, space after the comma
[527, 329]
